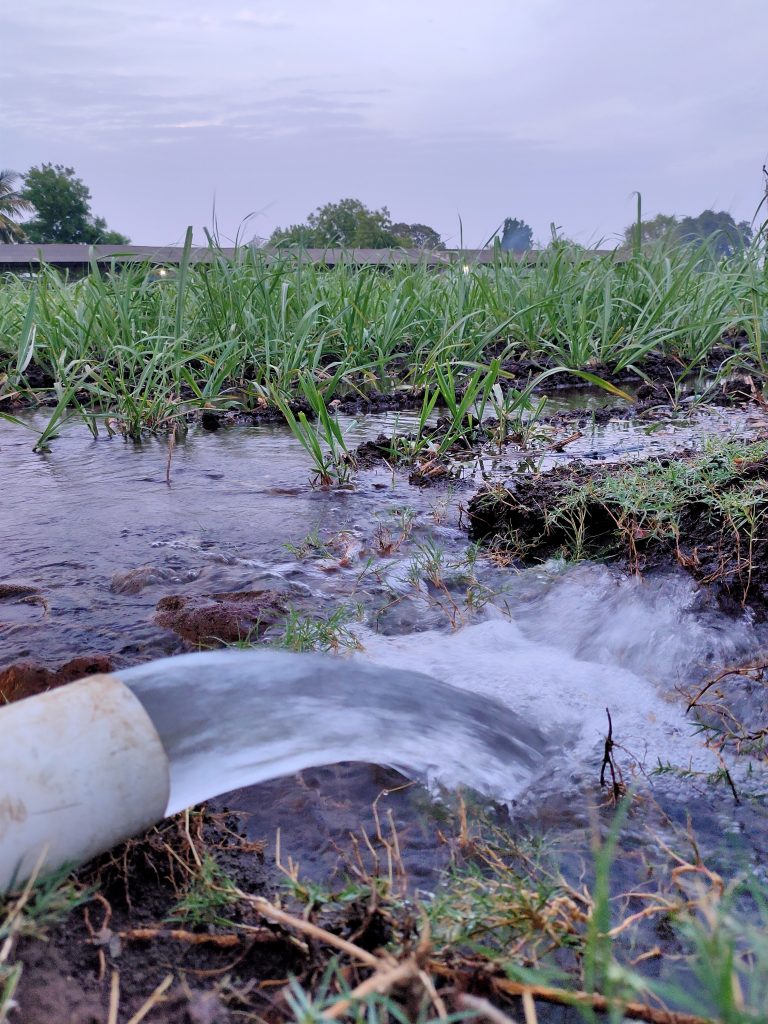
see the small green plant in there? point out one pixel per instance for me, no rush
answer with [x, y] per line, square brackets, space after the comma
[387, 542]
[331, 632]
[50, 900]
[40, 906]
[465, 410]
[450, 586]
[516, 415]
[325, 443]
[310, 546]
[210, 894]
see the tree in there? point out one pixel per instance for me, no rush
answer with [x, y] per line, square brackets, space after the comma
[719, 231]
[12, 203]
[660, 227]
[106, 236]
[517, 236]
[349, 224]
[62, 207]
[346, 224]
[417, 236]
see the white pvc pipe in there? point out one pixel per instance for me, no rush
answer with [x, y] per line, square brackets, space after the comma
[81, 769]
[89, 765]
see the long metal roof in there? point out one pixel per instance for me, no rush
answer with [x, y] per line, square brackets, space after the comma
[23, 256]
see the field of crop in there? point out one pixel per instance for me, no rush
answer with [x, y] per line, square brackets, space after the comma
[147, 346]
[515, 928]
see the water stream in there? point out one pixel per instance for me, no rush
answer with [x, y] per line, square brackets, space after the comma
[506, 692]
[236, 718]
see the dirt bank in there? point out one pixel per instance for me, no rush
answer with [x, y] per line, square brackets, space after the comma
[703, 511]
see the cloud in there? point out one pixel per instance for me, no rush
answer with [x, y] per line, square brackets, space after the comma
[545, 109]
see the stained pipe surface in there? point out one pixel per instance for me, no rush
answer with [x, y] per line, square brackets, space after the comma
[81, 769]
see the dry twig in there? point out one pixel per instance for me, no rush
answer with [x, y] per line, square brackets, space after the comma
[577, 997]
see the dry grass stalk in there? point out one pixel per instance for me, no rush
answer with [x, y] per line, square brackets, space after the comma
[485, 1009]
[313, 931]
[574, 997]
[153, 1000]
[380, 983]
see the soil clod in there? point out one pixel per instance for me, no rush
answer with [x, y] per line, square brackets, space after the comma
[220, 618]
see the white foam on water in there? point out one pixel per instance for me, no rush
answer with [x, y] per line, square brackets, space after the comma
[523, 710]
[582, 642]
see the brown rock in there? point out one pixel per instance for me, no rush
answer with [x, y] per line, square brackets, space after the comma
[219, 618]
[26, 678]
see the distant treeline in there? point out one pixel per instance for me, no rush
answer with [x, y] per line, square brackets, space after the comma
[57, 207]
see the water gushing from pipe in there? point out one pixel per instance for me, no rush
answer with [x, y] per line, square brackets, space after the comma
[234, 718]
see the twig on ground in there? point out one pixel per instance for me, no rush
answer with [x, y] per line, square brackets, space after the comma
[191, 938]
[171, 447]
[608, 762]
[114, 998]
[153, 1000]
[273, 913]
[558, 446]
[751, 670]
[381, 982]
[484, 1009]
[577, 997]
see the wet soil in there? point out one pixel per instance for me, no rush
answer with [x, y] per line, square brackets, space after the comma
[136, 925]
[236, 411]
[519, 519]
[656, 376]
[27, 678]
[220, 618]
[656, 369]
[225, 962]
[67, 974]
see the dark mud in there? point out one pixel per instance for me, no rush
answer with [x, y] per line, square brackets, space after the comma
[425, 470]
[27, 678]
[234, 410]
[128, 929]
[657, 368]
[224, 958]
[160, 911]
[656, 377]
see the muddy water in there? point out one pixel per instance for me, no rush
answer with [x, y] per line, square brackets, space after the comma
[626, 440]
[76, 522]
[97, 536]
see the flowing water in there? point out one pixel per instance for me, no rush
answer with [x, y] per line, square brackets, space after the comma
[526, 663]
[234, 718]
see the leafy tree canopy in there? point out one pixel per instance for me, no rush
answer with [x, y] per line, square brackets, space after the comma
[717, 230]
[62, 208]
[417, 236]
[659, 228]
[516, 235]
[12, 204]
[349, 224]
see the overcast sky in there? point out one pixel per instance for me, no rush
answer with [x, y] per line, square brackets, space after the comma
[548, 110]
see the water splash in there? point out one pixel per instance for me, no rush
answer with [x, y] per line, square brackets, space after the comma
[522, 696]
[233, 718]
[572, 644]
